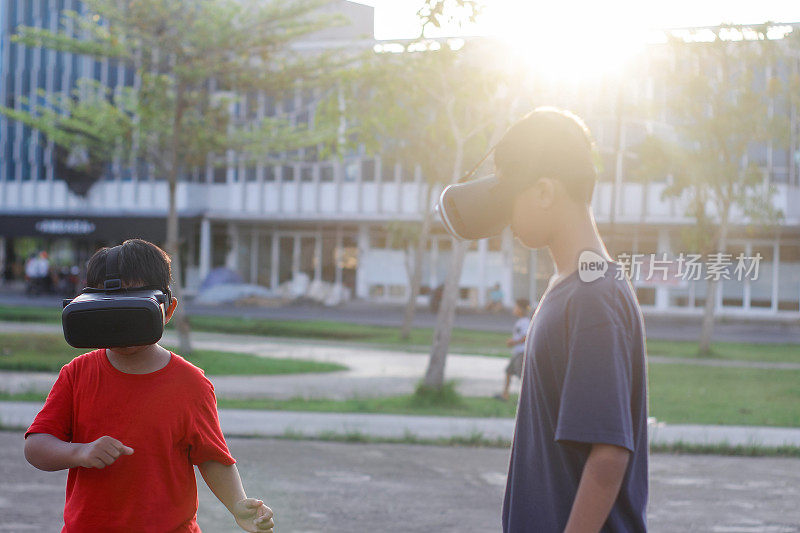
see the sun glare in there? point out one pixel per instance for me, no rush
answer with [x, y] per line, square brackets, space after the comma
[568, 41]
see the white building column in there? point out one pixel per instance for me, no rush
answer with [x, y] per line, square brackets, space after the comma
[205, 247]
[318, 256]
[776, 262]
[507, 281]
[533, 267]
[275, 252]
[338, 278]
[747, 295]
[254, 238]
[232, 258]
[362, 291]
[662, 291]
[483, 256]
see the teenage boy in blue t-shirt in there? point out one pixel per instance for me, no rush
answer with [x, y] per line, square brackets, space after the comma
[579, 457]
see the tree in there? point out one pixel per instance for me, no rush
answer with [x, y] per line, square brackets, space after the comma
[193, 61]
[441, 106]
[721, 112]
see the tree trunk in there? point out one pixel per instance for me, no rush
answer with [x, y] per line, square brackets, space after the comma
[709, 309]
[416, 274]
[434, 375]
[173, 236]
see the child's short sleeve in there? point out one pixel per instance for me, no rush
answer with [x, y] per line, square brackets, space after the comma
[55, 418]
[206, 442]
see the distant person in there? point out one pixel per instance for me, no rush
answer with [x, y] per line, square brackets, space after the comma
[580, 451]
[522, 310]
[43, 271]
[495, 299]
[32, 274]
[129, 423]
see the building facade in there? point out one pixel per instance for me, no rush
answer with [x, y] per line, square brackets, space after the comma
[331, 219]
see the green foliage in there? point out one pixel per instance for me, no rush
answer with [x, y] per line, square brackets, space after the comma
[721, 110]
[193, 60]
[431, 104]
[436, 13]
[445, 396]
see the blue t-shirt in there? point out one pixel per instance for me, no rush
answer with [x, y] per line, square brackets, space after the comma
[584, 381]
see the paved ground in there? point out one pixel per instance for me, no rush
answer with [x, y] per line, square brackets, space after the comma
[334, 487]
[766, 330]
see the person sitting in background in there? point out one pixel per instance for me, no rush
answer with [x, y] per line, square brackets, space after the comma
[495, 299]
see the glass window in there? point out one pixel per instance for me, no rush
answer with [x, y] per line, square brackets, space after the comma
[368, 170]
[220, 173]
[287, 173]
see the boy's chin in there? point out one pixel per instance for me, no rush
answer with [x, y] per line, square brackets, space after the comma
[128, 350]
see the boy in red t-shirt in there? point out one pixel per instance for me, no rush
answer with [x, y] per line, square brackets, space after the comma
[130, 423]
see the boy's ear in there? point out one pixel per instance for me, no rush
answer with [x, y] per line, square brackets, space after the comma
[544, 193]
[170, 310]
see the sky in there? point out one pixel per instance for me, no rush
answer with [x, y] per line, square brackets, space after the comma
[582, 38]
[395, 19]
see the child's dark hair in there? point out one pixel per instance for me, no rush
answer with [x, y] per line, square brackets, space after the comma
[552, 143]
[523, 303]
[141, 263]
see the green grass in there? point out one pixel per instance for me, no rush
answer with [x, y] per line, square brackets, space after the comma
[49, 352]
[472, 341]
[735, 396]
[30, 314]
[678, 394]
[398, 405]
[732, 351]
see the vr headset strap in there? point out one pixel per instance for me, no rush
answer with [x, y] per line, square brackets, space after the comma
[112, 281]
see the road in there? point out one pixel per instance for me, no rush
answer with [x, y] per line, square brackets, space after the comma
[335, 487]
[766, 330]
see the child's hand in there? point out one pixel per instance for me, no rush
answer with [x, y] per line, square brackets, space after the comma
[101, 453]
[252, 515]
[510, 342]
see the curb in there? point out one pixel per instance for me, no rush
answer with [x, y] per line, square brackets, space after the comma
[252, 423]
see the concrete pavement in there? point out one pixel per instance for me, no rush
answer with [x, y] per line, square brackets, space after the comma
[334, 487]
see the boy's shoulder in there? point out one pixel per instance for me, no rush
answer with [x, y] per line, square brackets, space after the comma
[190, 372]
[607, 299]
[85, 360]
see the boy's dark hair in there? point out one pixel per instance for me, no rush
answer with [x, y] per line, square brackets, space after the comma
[141, 263]
[523, 303]
[553, 143]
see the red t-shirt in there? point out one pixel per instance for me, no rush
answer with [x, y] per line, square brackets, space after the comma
[169, 418]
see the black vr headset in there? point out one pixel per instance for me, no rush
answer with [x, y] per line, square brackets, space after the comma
[115, 317]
